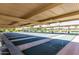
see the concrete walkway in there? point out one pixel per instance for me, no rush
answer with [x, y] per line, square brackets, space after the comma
[72, 48]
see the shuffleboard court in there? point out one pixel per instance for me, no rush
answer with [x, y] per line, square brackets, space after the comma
[49, 48]
[39, 44]
[27, 40]
[13, 36]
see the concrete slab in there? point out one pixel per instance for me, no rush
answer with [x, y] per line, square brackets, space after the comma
[72, 48]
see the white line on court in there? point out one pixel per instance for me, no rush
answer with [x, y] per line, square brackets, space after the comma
[39, 34]
[22, 39]
[64, 37]
[17, 36]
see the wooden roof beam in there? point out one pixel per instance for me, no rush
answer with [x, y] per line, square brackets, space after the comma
[5, 17]
[61, 16]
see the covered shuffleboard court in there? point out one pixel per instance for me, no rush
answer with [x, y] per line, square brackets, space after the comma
[39, 29]
[37, 45]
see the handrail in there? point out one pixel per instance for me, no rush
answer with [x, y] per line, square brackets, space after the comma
[11, 47]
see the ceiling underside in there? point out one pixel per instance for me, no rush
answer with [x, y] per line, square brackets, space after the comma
[27, 14]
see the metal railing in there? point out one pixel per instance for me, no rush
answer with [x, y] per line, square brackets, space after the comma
[10, 46]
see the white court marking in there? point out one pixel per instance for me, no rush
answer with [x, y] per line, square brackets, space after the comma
[64, 37]
[23, 39]
[17, 36]
[40, 34]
